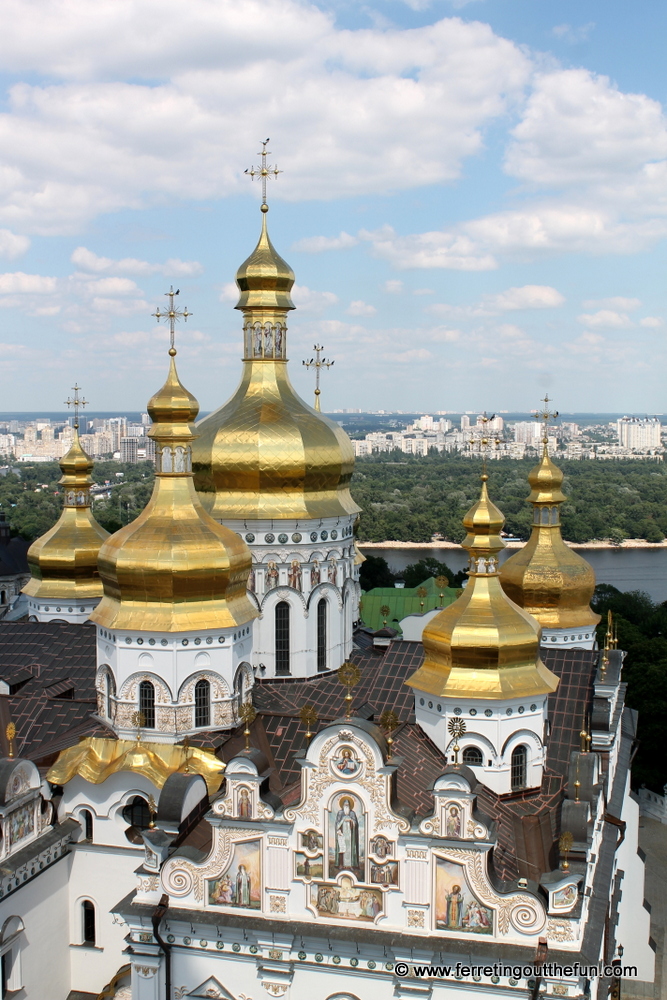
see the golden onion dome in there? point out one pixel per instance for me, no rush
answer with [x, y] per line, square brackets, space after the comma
[63, 562]
[174, 568]
[546, 577]
[483, 646]
[265, 453]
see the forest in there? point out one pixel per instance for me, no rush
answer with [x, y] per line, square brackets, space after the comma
[403, 497]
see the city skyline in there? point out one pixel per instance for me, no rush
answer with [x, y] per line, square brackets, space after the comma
[472, 199]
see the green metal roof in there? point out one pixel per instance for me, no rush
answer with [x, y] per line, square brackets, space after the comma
[403, 601]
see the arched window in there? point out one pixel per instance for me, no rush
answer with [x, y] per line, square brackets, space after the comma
[472, 756]
[282, 638]
[322, 634]
[88, 918]
[138, 815]
[87, 822]
[519, 759]
[202, 703]
[147, 703]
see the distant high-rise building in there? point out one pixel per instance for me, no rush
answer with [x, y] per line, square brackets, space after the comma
[129, 450]
[527, 431]
[638, 434]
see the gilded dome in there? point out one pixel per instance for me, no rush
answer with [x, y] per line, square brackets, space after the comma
[63, 562]
[546, 577]
[174, 568]
[265, 453]
[484, 645]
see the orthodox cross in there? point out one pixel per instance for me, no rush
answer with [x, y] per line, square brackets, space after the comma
[248, 715]
[483, 443]
[545, 415]
[172, 314]
[318, 363]
[264, 171]
[76, 403]
[349, 676]
[310, 719]
[457, 728]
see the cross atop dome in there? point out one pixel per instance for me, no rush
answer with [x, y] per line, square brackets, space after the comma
[76, 403]
[173, 315]
[264, 171]
[545, 415]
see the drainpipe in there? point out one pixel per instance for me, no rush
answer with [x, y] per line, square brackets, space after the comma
[158, 916]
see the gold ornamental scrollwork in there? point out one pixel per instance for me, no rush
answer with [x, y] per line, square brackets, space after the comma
[180, 877]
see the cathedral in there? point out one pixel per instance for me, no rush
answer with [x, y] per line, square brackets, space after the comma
[215, 784]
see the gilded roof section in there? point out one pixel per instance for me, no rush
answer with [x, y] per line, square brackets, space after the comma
[546, 577]
[265, 280]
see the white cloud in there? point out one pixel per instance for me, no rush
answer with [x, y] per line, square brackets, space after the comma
[308, 300]
[615, 302]
[230, 292]
[360, 308]
[11, 245]
[104, 286]
[433, 250]
[85, 142]
[318, 244]
[606, 318]
[20, 283]
[567, 33]
[393, 286]
[90, 261]
[526, 297]
[652, 322]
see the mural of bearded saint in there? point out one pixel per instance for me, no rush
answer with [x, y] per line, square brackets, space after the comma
[315, 574]
[294, 575]
[332, 571]
[347, 835]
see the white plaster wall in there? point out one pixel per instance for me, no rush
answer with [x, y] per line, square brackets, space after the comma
[76, 611]
[634, 922]
[557, 638]
[42, 904]
[413, 625]
[106, 802]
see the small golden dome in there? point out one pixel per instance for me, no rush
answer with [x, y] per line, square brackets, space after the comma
[63, 562]
[174, 568]
[265, 279]
[546, 577]
[483, 646]
[265, 453]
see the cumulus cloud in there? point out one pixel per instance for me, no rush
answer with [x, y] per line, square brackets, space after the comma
[526, 297]
[90, 261]
[11, 245]
[360, 308]
[573, 35]
[308, 300]
[20, 283]
[87, 142]
[606, 318]
[393, 286]
[318, 244]
[652, 322]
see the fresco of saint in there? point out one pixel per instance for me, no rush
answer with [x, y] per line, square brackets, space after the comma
[271, 575]
[347, 762]
[457, 907]
[347, 837]
[245, 805]
[294, 575]
[453, 821]
[332, 571]
[315, 573]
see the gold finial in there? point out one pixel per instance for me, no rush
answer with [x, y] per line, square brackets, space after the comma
[385, 610]
[577, 783]
[545, 415]
[583, 735]
[389, 723]
[152, 809]
[172, 314]
[457, 728]
[10, 733]
[76, 403]
[421, 594]
[441, 582]
[264, 171]
[565, 842]
[318, 363]
[139, 721]
[349, 675]
[248, 714]
[309, 718]
[186, 750]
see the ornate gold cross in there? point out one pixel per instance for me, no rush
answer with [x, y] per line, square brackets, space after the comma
[318, 363]
[264, 171]
[172, 314]
[545, 415]
[76, 403]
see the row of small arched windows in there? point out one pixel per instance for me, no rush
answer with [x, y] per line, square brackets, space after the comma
[147, 703]
[519, 760]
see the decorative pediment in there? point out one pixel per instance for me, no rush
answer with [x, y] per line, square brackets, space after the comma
[210, 989]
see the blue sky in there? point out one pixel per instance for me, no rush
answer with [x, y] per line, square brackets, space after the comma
[473, 197]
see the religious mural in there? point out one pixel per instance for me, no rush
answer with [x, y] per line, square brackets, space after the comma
[294, 575]
[453, 821]
[271, 575]
[244, 804]
[306, 867]
[20, 824]
[565, 898]
[332, 570]
[315, 573]
[381, 847]
[347, 836]
[456, 907]
[386, 874]
[241, 884]
[311, 840]
[347, 763]
[347, 900]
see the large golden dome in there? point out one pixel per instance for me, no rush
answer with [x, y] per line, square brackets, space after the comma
[546, 577]
[266, 453]
[483, 645]
[174, 568]
[63, 562]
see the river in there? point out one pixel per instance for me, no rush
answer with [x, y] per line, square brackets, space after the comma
[628, 569]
